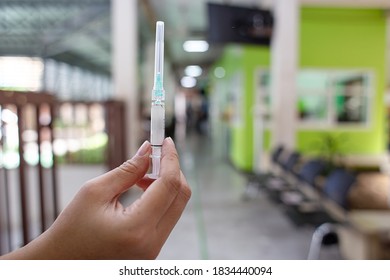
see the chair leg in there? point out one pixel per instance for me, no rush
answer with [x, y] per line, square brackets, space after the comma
[254, 185]
[317, 238]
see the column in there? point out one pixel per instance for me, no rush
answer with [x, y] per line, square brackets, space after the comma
[284, 59]
[124, 27]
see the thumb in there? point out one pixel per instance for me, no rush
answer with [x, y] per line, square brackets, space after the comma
[120, 179]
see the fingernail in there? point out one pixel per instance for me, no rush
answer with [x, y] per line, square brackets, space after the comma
[143, 149]
[169, 139]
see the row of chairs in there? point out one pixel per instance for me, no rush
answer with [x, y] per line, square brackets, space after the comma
[310, 193]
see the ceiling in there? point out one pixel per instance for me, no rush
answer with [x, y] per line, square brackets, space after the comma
[73, 31]
[78, 31]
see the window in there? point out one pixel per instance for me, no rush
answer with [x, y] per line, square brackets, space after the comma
[350, 100]
[21, 73]
[326, 98]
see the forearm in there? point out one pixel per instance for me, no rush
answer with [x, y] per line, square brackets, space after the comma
[38, 249]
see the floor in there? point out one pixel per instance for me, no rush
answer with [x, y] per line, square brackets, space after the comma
[219, 223]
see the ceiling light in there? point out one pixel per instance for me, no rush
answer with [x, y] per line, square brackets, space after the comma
[193, 71]
[195, 46]
[219, 72]
[188, 82]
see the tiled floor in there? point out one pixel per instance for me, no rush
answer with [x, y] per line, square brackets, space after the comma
[219, 224]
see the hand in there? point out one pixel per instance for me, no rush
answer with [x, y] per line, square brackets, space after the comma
[95, 225]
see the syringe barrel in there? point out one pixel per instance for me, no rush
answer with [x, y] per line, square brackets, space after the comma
[157, 126]
[157, 131]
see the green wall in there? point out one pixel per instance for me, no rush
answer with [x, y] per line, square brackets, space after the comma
[242, 137]
[347, 38]
[242, 61]
[329, 39]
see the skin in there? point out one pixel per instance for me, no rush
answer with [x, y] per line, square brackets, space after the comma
[95, 225]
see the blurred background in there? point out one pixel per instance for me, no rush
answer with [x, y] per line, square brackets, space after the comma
[255, 91]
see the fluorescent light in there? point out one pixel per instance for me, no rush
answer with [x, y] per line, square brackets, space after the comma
[188, 82]
[193, 70]
[195, 46]
[219, 72]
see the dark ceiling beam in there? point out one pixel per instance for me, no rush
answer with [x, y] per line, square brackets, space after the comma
[31, 50]
[80, 61]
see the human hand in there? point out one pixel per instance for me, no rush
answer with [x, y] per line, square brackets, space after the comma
[95, 225]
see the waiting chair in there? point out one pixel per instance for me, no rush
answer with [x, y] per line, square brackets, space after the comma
[283, 182]
[337, 186]
[292, 160]
[276, 154]
[336, 189]
[310, 171]
[310, 210]
[256, 181]
[307, 175]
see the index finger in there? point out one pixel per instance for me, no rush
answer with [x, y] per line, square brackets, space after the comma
[156, 199]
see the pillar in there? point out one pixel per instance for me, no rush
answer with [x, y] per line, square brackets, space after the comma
[124, 27]
[283, 72]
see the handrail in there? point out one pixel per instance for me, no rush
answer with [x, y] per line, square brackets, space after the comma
[47, 183]
[40, 112]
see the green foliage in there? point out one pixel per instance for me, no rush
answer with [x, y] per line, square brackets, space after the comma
[329, 147]
[84, 156]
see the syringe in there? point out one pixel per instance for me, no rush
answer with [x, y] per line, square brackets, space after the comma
[157, 128]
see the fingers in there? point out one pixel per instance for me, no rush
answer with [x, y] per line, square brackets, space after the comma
[113, 183]
[145, 182]
[162, 193]
[174, 212]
